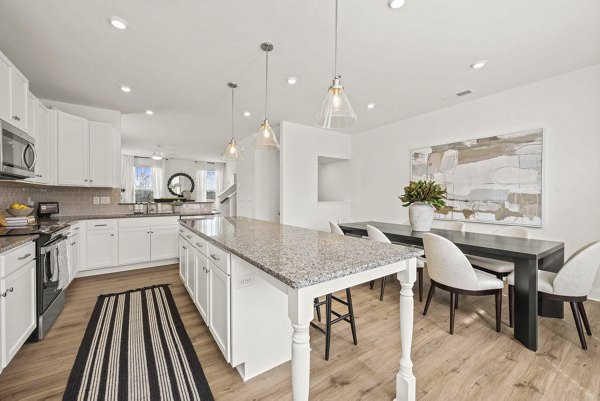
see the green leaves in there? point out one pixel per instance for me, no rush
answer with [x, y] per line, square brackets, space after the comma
[424, 191]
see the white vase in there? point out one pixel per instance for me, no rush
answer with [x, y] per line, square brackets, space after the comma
[420, 216]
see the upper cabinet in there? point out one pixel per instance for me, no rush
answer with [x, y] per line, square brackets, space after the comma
[84, 151]
[14, 91]
[40, 131]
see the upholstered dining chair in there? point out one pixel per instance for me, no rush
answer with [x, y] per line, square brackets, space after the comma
[500, 268]
[452, 225]
[450, 270]
[571, 284]
[329, 298]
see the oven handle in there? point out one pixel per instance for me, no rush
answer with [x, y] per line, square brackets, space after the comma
[30, 146]
[50, 244]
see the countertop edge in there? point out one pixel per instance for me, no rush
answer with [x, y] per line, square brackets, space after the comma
[10, 243]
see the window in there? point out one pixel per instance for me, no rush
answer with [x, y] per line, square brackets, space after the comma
[144, 191]
[211, 185]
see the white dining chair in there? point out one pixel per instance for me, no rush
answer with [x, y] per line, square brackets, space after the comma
[329, 298]
[374, 234]
[452, 225]
[571, 284]
[450, 270]
[500, 268]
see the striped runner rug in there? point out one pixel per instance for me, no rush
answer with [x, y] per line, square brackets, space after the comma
[136, 348]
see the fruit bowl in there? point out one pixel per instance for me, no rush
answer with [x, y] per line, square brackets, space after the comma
[20, 212]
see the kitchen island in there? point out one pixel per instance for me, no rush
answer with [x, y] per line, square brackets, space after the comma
[303, 264]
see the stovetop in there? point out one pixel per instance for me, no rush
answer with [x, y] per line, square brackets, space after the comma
[44, 226]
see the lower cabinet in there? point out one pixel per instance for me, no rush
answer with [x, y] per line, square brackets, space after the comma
[163, 242]
[134, 245]
[202, 285]
[220, 308]
[74, 255]
[102, 248]
[17, 311]
[183, 259]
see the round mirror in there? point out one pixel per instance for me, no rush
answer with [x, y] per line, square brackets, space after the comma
[180, 182]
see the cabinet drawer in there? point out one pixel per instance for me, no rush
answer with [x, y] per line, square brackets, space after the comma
[108, 224]
[15, 258]
[219, 258]
[200, 244]
[148, 221]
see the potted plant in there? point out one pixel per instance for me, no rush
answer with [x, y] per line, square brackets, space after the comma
[423, 198]
[177, 205]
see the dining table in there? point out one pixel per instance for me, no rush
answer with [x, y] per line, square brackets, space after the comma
[528, 256]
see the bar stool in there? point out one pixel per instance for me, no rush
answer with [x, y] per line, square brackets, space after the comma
[329, 298]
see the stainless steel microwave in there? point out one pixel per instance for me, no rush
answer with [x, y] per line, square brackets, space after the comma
[17, 153]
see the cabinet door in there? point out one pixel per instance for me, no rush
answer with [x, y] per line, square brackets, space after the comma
[190, 280]
[183, 257]
[202, 287]
[42, 142]
[74, 256]
[72, 150]
[100, 154]
[5, 88]
[164, 242]
[134, 245]
[102, 249]
[17, 309]
[19, 98]
[220, 308]
[31, 101]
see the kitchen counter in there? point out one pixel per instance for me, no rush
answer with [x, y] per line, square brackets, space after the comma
[71, 219]
[297, 256]
[8, 243]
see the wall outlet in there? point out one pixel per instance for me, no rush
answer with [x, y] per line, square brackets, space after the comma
[246, 280]
[96, 200]
[105, 200]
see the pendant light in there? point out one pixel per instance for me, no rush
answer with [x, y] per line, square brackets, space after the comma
[336, 111]
[232, 151]
[266, 139]
[157, 154]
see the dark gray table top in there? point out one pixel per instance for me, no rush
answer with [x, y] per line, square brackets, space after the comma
[468, 242]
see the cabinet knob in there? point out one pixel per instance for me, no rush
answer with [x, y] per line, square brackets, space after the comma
[85, 180]
[72, 243]
[5, 293]
[188, 236]
[212, 255]
[91, 180]
[112, 235]
[199, 244]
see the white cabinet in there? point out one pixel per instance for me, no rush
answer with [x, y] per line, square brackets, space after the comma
[41, 133]
[102, 245]
[190, 280]
[183, 259]
[163, 243]
[5, 67]
[31, 101]
[73, 148]
[100, 154]
[17, 305]
[74, 255]
[134, 245]
[220, 308]
[202, 285]
[19, 98]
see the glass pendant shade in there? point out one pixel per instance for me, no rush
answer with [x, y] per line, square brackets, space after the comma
[336, 111]
[266, 139]
[232, 151]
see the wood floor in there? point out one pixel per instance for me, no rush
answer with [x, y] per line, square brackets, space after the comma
[476, 363]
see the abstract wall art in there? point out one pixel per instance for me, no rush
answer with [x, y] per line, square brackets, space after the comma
[497, 179]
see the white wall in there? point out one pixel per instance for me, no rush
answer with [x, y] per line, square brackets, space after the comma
[300, 148]
[258, 182]
[113, 117]
[335, 180]
[566, 106]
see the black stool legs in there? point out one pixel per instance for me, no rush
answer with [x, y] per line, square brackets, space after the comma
[348, 317]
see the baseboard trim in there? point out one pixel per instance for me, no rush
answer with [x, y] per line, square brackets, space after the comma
[594, 294]
[118, 269]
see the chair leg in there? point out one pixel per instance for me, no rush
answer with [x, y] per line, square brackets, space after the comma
[429, 296]
[420, 277]
[452, 312]
[577, 318]
[511, 304]
[586, 323]
[327, 325]
[351, 313]
[498, 310]
[456, 301]
[382, 288]
[371, 284]
[318, 308]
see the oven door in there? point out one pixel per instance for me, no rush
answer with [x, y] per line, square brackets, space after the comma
[17, 155]
[48, 271]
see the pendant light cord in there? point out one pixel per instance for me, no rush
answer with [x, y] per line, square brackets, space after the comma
[232, 91]
[336, 41]
[266, 83]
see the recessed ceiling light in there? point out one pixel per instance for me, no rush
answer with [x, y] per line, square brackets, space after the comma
[247, 114]
[371, 106]
[292, 80]
[125, 88]
[478, 64]
[118, 23]
[149, 112]
[395, 3]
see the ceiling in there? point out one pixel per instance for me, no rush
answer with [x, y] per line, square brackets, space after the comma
[177, 56]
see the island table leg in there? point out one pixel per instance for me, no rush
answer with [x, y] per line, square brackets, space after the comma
[405, 380]
[300, 312]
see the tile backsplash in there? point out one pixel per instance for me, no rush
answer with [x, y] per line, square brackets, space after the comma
[74, 201]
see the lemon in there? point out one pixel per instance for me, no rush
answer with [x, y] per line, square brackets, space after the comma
[14, 206]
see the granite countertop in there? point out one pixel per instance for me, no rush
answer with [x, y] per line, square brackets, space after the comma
[71, 219]
[297, 256]
[8, 243]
